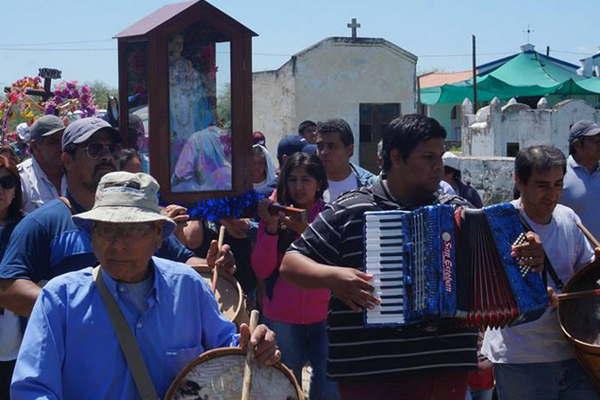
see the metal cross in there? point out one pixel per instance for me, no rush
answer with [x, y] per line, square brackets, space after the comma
[353, 25]
[528, 31]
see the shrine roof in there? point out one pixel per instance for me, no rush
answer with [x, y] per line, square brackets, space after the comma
[164, 14]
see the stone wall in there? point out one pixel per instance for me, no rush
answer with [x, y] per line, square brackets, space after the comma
[489, 132]
[491, 176]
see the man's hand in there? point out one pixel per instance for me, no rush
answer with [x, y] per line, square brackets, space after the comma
[222, 258]
[238, 228]
[531, 253]
[263, 341]
[352, 287]
[177, 213]
[552, 296]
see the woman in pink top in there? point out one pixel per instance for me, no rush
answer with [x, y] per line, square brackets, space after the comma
[298, 316]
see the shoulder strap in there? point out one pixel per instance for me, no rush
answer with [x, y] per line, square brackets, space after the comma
[548, 268]
[129, 346]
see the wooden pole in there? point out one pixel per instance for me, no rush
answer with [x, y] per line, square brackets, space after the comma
[474, 75]
[588, 234]
[215, 271]
[247, 382]
[578, 295]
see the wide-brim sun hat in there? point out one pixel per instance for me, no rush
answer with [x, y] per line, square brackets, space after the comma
[123, 197]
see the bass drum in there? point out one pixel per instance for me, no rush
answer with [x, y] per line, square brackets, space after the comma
[229, 295]
[580, 320]
[218, 375]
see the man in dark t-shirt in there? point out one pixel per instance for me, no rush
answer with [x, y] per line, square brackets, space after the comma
[385, 362]
[46, 243]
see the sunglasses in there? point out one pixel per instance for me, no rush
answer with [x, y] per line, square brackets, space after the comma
[8, 182]
[123, 230]
[97, 150]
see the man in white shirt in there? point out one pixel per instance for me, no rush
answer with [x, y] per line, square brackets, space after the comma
[335, 145]
[42, 176]
[533, 360]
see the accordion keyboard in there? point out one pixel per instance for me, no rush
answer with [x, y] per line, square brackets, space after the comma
[385, 260]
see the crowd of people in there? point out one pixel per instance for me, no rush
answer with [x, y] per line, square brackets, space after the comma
[80, 218]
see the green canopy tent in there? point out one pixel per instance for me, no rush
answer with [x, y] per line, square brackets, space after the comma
[527, 74]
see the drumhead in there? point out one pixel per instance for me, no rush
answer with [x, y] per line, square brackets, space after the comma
[218, 375]
[580, 318]
[228, 295]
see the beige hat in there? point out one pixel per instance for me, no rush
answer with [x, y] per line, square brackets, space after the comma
[123, 197]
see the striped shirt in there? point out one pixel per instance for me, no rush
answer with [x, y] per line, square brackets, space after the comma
[335, 237]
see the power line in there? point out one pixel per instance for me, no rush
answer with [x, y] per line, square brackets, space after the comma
[53, 43]
[57, 49]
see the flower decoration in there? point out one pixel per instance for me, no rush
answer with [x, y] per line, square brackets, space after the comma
[225, 207]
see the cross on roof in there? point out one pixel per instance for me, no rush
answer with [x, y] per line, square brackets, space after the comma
[528, 31]
[353, 25]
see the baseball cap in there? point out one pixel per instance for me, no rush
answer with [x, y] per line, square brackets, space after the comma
[289, 145]
[123, 197]
[583, 128]
[82, 129]
[451, 160]
[45, 126]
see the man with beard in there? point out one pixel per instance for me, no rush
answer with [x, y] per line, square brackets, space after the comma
[47, 243]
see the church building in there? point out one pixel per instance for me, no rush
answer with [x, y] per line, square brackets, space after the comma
[366, 81]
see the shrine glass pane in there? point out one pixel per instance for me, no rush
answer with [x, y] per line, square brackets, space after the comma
[137, 101]
[199, 112]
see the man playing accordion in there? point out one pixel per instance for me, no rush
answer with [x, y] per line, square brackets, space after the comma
[386, 362]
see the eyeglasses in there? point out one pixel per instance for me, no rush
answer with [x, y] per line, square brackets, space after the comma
[8, 182]
[97, 150]
[123, 230]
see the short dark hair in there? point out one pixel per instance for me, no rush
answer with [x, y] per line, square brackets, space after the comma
[405, 133]
[16, 205]
[337, 125]
[304, 125]
[314, 167]
[127, 155]
[538, 158]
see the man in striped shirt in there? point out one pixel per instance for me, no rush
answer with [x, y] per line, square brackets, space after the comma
[379, 363]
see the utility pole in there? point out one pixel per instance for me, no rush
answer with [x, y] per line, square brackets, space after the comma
[474, 76]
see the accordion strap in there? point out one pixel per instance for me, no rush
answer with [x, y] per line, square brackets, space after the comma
[548, 268]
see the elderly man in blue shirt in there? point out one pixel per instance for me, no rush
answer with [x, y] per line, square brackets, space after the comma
[581, 187]
[70, 349]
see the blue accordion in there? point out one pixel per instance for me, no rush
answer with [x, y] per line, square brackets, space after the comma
[440, 262]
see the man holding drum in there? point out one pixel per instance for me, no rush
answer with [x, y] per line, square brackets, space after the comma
[74, 346]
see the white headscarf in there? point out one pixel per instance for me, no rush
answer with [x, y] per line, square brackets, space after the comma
[270, 181]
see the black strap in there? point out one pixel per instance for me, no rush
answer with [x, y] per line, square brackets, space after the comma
[548, 268]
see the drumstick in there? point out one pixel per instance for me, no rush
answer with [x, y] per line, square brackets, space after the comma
[588, 235]
[288, 210]
[579, 294]
[215, 271]
[247, 382]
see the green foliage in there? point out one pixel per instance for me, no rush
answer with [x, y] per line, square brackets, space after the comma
[101, 91]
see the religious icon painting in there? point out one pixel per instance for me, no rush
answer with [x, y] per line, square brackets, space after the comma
[185, 85]
[199, 118]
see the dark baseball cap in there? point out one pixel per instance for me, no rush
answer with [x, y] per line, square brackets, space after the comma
[82, 129]
[289, 145]
[46, 125]
[583, 128]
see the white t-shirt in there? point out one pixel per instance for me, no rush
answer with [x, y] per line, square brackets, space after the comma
[10, 336]
[336, 188]
[542, 341]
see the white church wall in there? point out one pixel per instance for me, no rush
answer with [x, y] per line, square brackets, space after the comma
[273, 105]
[333, 78]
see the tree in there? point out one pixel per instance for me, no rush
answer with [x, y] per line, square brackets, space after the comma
[101, 91]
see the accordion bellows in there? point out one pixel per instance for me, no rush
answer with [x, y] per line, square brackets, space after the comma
[440, 262]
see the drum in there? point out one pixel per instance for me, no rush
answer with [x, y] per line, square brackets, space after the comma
[580, 320]
[229, 295]
[218, 375]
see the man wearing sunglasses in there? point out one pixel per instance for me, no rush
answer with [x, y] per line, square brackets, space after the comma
[42, 177]
[46, 243]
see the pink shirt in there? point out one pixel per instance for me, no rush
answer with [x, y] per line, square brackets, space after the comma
[290, 303]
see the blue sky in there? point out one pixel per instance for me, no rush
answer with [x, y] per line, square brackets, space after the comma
[35, 32]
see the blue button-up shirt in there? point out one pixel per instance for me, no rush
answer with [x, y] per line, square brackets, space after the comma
[581, 192]
[70, 350]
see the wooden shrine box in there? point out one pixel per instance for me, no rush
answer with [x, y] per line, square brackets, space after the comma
[185, 86]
